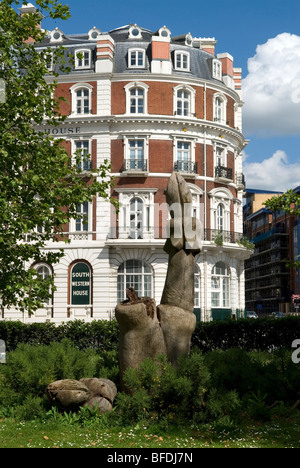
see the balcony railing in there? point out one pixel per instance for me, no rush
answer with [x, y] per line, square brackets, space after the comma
[135, 165]
[223, 172]
[240, 179]
[214, 235]
[209, 235]
[186, 166]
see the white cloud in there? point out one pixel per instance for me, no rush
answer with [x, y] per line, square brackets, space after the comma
[275, 173]
[271, 90]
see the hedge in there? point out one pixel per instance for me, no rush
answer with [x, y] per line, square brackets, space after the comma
[99, 335]
[249, 334]
[265, 334]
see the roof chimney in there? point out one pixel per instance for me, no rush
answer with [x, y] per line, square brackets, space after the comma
[207, 44]
[27, 9]
[161, 59]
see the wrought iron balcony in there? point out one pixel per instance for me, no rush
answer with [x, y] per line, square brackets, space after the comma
[240, 179]
[135, 165]
[223, 172]
[215, 235]
[186, 166]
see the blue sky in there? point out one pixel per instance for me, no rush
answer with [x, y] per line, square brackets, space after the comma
[267, 32]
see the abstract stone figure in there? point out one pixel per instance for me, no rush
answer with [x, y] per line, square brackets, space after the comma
[147, 330]
[70, 394]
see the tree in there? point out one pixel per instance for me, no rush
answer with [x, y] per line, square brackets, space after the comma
[40, 188]
[289, 202]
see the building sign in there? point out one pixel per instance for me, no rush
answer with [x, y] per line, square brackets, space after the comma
[81, 284]
[58, 131]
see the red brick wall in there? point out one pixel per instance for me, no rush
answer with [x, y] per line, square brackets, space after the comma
[230, 111]
[199, 102]
[64, 90]
[160, 156]
[230, 162]
[117, 155]
[94, 154]
[160, 100]
[118, 98]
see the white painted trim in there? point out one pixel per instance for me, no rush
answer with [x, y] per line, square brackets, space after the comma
[136, 50]
[76, 87]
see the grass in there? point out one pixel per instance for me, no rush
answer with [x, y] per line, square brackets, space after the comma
[279, 433]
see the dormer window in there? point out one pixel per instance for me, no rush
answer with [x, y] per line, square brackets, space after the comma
[189, 40]
[94, 34]
[164, 32]
[217, 69]
[82, 59]
[182, 60]
[56, 35]
[136, 58]
[135, 32]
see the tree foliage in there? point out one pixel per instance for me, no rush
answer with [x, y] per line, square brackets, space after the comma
[289, 203]
[37, 177]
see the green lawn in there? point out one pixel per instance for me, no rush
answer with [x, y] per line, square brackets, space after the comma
[280, 433]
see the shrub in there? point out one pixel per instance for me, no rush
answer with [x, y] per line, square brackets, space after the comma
[272, 375]
[162, 392]
[30, 369]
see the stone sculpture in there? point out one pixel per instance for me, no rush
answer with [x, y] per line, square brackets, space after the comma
[70, 394]
[147, 330]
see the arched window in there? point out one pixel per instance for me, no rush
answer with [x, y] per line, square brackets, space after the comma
[44, 272]
[136, 98]
[220, 208]
[220, 108]
[137, 101]
[137, 274]
[136, 218]
[197, 279]
[220, 284]
[183, 103]
[81, 99]
[220, 217]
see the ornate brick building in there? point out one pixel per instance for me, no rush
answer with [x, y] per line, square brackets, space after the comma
[151, 104]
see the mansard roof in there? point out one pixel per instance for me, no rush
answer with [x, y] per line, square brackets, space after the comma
[200, 60]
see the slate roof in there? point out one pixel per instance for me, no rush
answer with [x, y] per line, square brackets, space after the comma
[199, 59]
